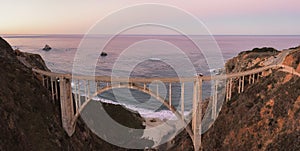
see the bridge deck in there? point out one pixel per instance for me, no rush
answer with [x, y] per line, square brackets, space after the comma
[163, 79]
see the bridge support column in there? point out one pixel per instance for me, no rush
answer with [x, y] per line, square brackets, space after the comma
[182, 101]
[56, 89]
[76, 89]
[85, 91]
[243, 83]
[215, 100]
[239, 88]
[230, 88]
[197, 113]
[250, 79]
[88, 89]
[52, 88]
[43, 80]
[66, 103]
[227, 90]
[170, 94]
[79, 94]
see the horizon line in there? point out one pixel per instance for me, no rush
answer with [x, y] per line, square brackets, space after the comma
[79, 34]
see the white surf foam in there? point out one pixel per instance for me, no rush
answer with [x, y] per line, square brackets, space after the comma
[146, 113]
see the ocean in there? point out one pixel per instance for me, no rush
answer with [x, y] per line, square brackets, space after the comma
[153, 58]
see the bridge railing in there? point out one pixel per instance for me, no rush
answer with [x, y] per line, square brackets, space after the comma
[150, 80]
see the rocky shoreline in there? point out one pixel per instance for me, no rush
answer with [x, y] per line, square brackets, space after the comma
[265, 117]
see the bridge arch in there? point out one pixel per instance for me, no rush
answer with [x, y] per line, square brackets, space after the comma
[64, 92]
[141, 89]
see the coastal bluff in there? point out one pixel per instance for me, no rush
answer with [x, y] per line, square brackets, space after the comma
[266, 116]
[30, 120]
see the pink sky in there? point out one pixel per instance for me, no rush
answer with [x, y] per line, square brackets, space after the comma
[221, 17]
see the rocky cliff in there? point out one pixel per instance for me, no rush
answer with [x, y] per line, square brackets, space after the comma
[264, 117]
[29, 118]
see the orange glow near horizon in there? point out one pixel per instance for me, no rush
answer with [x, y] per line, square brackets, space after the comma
[221, 17]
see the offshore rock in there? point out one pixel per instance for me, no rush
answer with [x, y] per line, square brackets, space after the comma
[47, 48]
[103, 54]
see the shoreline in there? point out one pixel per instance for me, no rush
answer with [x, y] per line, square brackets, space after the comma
[156, 129]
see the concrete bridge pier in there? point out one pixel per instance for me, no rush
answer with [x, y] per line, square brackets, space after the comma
[56, 84]
[66, 102]
[230, 89]
[229, 85]
[197, 113]
[52, 83]
[45, 81]
[182, 102]
[240, 85]
[243, 83]
[251, 78]
[227, 90]
[170, 94]
[214, 101]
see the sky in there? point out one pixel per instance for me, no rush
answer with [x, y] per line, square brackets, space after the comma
[227, 17]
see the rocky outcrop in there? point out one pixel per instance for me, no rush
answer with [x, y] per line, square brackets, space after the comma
[31, 60]
[47, 48]
[251, 59]
[293, 59]
[264, 117]
[29, 118]
[103, 54]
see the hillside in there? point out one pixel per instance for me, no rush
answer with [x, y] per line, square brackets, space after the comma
[29, 118]
[264, 117]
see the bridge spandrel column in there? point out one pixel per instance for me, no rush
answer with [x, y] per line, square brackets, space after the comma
[197, 113]
[182, 101]
[66, 102]
[215, 101]
[56, 89]
[230, 88]
[249, 81]
[227, 90]
[170, 94]
[243, 83]
[239, 88]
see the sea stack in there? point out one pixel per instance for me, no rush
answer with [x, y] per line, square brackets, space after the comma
[103, 54]
[47, 48]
